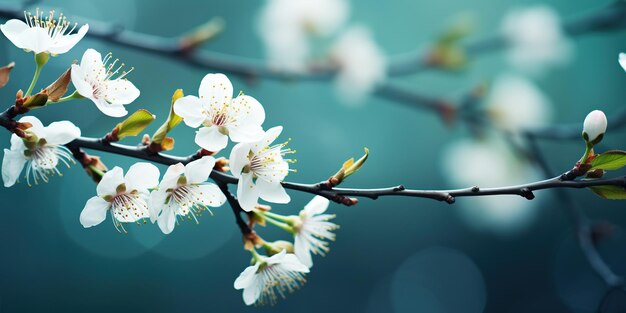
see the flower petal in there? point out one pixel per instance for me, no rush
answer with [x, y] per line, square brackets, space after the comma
[37, 127]
[92, 67]
[293, 264]
[270, 135]
[109, 182]
[215, 90]
[141, 177]
[211, 139]
[252, 293]
[167, 220]
[246, 278]
[317, 205]
[170, 179]
[622, 60]
[36, 39]
[12, 29]
[112, 110]
[80, 83]
[302, 250]
[120, 91]
[190, 109]
[60, 133]
[247, 193]
[272, 192]
[12, 165]
[67, 42]
[157, 203]
[246, 133]
[95, 212]
[211, 195]
[239, 158]
[250, 116]
[198, 171]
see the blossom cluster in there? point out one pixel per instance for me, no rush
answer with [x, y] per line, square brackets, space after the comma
[183, 192]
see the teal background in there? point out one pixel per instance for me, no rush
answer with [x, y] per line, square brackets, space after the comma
[49, 263]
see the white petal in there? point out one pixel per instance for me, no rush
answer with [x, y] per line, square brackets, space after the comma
[190, 109]
[141, 177]
[157, 203]
[120, 91]
[292, 263]
[37, 127]
[35, 39]
[170, 179]
[246, 277]
[109, 182]
[12, 165]
[79, 81]
[250, 117]
[67, 42]
[211, 139]
[198, 171]
[239, 158]
[622, 60]
[212, 195]
[17, 143]
[247, 193]
[276, 258]
[317, 205]
[216, 89]
[13, 29]
[95, 212]
[112, 110]
[60, 133]
[272, 192]
[91, 62]
[167, 220]
[246, 133]
[252, 293]
[301, 249]
[270, 135]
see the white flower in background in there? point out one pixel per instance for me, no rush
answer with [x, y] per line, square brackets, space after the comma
[101, 81]
[515, 103]
[622, 60]
[271, 277]
[260, 169]
[42, 157]
[287, 27]
[181, 193]
[126, 197]
[536, 39]
[490, 163]
[220, 115]
[594, 125]
[43, 33]
[312, 228]
[362, 64]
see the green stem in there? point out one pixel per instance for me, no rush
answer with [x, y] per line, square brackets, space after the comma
[588, 151]
[34, 81]
[256, 256]
[275, 216]
[74, 95]
[280, 225]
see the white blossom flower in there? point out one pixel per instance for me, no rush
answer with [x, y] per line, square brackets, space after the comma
[362, 64]
[181, 193]
[41, 157]
[536, 39]
[312, 228]
[594, 125]
[220, 115]
[622, 60]
[270, 277]
[125, 197]
[490, 163]
[515, 103]
[101, 81]
[43, 33]
[260, 169]
[286, 28]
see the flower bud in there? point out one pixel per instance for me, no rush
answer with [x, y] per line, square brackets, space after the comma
[594, 127]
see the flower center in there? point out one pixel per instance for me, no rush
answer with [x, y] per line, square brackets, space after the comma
[56, 27]
[44, 160]
[278, 281]
[127, 207]
[269, 163]
[189, 200]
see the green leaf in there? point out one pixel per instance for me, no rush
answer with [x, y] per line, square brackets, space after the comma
[134, 124]
[610, 192]
[610, 160]
[172, 120]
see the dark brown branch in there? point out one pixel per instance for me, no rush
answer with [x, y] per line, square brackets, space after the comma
[236, 207]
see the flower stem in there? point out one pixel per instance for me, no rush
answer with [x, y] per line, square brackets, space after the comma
[280, 225]
[256, 256]
[40, 59]
[74, 95]
[275, 216]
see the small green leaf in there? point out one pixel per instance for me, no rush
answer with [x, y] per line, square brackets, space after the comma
[172, 120]
[610, 192]
[610, 160]
[134, 124]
